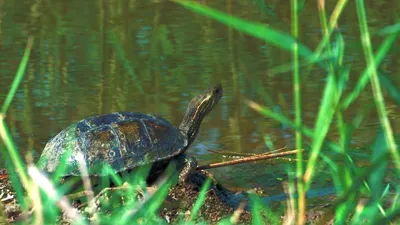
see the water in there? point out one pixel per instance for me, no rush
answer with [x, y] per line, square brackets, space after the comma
[92, 58]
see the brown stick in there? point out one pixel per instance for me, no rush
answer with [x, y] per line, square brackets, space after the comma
[248, 159]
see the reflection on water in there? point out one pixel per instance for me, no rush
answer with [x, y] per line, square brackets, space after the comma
[107, 56]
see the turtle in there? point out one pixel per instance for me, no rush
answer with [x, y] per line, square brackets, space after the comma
[128, 140]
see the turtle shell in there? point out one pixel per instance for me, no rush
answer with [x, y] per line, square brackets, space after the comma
[124, 140]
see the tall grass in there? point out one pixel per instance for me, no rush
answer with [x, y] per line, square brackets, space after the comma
[298, 119]
[348, 183]
[13, 153]
[376, 88]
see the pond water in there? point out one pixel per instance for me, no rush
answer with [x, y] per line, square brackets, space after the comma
[98, 57]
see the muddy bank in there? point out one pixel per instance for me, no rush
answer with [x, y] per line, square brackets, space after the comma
[179, 204]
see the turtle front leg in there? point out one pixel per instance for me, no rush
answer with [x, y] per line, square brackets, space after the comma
[186, 165]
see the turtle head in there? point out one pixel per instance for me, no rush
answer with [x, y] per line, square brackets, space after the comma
[197, 109]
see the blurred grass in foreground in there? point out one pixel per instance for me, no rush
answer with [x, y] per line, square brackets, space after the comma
[332, 107]
[361, 191]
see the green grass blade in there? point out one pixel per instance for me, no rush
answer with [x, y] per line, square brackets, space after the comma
[255, 210]
[150, 206]
[18, 76]
[257, 30]
[376, 88]
[392, 29]
[18, 163]
[53, 195]
[13, 154]
[376, 178]
[225, 222]
[200, 199]
[110, 172]
[298, 115]
[284, 120]
[286, 67]
[390, 86]
[13, 176]
[329, 27]
[362, 82]
[324, 119]
[4, 132]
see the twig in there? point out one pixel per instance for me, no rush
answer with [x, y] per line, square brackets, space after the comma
[248, 159]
